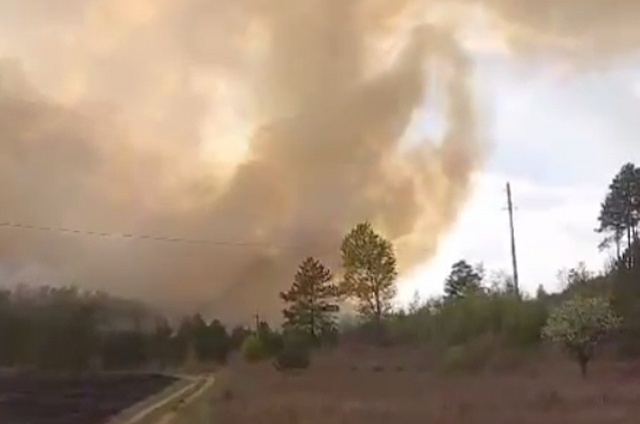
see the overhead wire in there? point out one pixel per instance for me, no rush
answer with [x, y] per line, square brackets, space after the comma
[144, 237]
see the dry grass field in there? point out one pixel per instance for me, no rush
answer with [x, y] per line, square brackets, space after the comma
[399, 386]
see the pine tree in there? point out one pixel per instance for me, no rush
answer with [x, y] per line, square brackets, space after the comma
[620, 210]
[541, 293]
[463, 279]
[311, 300]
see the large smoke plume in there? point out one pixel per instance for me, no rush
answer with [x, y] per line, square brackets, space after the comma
[268, 126]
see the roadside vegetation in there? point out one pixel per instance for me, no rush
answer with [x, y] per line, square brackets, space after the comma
[481, 322]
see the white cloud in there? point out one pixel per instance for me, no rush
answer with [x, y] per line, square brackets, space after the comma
[559, 141]
[554, 229]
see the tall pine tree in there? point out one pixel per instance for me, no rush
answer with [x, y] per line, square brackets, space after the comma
[620, 210]
[311, 300]
[463, 279]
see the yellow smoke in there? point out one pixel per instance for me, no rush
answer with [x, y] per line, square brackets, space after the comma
[274, 123]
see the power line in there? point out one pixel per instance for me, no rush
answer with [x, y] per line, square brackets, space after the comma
[162, 239]
[147, 237]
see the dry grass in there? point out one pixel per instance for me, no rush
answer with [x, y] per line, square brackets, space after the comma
[397, 386]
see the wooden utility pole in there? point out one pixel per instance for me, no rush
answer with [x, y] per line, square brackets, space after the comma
[257, 319]
[514, 260]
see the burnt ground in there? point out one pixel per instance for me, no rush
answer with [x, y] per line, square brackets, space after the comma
[37, 398]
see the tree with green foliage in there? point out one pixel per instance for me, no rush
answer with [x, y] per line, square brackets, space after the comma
[220, 341]
[295, 353]
[579, 325]
[270, 339]
[463, 279]
[161, 342]
[576, 276]
[370, 272]
[619, 218]
[210, 340]
[183, 340]
[68, 329]
[252, 349]
[625, 296]
[311, 300]
[620, 211]
[237, 336]
[198, 336]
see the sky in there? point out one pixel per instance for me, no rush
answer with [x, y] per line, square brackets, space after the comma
[558, 139]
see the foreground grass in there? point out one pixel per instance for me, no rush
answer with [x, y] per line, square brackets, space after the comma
[400, 386]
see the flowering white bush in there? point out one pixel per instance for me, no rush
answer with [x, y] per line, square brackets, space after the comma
[579, 324]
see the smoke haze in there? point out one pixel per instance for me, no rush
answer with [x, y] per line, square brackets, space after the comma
[274, 126]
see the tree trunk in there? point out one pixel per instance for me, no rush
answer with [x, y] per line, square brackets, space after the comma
[629, 262]
[583, 361]
[634, 243]
[312, 302]
[378, 318]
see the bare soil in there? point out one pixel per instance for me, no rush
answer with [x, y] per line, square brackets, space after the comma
[401, 386]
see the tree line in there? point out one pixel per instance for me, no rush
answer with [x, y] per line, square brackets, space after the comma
[478, 318]
[591, 308]
[65, 328]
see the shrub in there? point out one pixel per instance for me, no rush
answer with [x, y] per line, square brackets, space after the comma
[579, 324]
[409, 328]
[518, 322]
[522, 321]
[295, 353]
[271, 340]
[253, 349]
[512, 322]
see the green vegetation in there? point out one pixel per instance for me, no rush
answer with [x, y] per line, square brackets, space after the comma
[69, 329]
[311, 301]
[579, 324]
[463, 280]
[237, 336]
[619, 211]
[253, 350]
[479, 321]
[370, 272]
[270, 339]
[295, 353]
